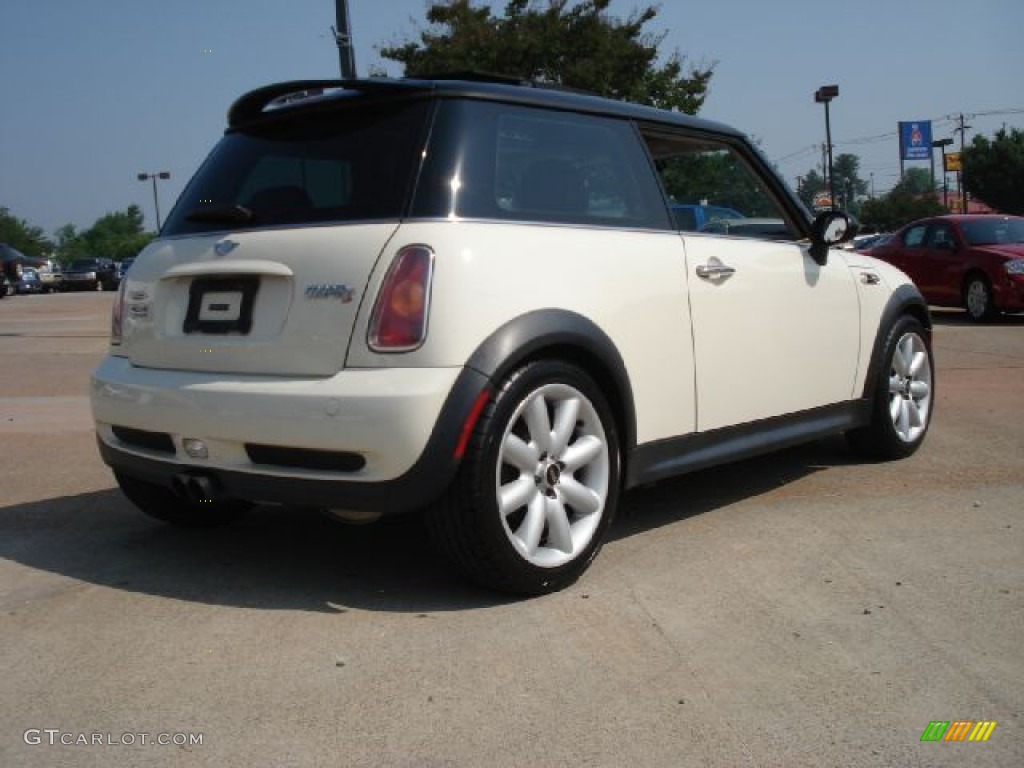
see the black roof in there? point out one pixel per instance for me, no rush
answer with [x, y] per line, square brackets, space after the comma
[281, 98]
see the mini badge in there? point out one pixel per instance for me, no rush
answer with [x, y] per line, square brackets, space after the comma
[224, 247]
[330, 291]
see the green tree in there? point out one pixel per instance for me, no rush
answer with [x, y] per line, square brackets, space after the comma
[848, 183]
[68, 244]
[22, 236]
[994, 170]
[915, 181]
[575, 45]
[116, 235]
[888, 213]
[809, 185]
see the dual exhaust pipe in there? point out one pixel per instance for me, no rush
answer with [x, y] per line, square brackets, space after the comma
[196, 488]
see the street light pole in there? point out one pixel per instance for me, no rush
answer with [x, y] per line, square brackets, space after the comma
[942, 144]
[156, 203]
[824, 95]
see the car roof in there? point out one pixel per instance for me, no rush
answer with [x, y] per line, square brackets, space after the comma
[299, 95]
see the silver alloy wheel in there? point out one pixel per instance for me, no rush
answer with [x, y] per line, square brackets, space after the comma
[977, 298]
[910, 387]
[552, 475]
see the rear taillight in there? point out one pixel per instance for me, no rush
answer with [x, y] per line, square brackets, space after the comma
[399, 320]
[116, 316]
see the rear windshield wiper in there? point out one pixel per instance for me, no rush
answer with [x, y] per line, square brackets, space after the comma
[220, 213]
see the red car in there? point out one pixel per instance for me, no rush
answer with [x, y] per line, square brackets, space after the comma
[975, 262]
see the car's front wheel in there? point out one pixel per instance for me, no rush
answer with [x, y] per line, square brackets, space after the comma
[978, 299]
[902, 395]
[539, 484]
[166, 506]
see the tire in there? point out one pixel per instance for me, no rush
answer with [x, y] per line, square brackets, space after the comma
[528, 509]
[902, 397]
[978, 299]
[165, 505]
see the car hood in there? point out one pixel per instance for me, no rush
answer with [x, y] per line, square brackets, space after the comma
[1003, 250]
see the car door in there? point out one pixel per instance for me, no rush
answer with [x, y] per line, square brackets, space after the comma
[774, 333]
[907, 252]
[940, 265]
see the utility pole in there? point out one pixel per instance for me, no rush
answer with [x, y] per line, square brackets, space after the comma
[343, 37]
[962, 130]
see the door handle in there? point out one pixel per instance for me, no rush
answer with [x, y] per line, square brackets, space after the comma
[714, 271]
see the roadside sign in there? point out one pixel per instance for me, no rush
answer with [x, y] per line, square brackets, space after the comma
[953, 163]
[822, 202]
[916, 140]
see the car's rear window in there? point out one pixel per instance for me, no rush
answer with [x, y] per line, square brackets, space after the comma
[353, 164]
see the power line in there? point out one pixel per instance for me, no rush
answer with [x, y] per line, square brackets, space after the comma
[865, 140]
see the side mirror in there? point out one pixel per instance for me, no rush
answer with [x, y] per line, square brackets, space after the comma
[830, 228]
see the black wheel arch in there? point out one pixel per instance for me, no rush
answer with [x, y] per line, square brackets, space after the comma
[905, 300]
[568, 336]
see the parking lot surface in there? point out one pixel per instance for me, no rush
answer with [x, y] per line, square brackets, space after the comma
[801, 609]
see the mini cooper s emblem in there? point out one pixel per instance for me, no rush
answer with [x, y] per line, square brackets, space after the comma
[224, 247]
[330, 291]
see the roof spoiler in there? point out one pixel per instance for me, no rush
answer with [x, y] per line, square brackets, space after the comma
[254, 103]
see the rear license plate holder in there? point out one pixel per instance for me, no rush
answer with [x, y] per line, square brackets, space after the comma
[221, 306]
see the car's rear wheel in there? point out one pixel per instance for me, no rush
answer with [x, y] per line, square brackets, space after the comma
[978, 299]
[903, 395]
[167, 506]
[539, 485]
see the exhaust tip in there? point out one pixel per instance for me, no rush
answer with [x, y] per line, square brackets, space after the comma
[196, 488]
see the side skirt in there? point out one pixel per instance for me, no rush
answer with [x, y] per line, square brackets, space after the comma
[651, 462]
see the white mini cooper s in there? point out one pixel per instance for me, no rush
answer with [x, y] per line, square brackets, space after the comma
[487, 301]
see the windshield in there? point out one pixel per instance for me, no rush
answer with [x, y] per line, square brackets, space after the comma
[993, 231]
[355, 163]
[83, 264]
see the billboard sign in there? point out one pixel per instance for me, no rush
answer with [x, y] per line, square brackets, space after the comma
[916, 140]
[822, 202]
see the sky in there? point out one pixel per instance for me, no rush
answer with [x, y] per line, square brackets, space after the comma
[94, 92]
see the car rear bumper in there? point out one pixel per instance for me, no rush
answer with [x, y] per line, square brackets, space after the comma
[76, 282]
[378, 440]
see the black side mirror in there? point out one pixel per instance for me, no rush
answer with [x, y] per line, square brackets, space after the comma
[830, 228]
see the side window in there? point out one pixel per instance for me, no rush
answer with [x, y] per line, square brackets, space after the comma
[940, 237]
[503, 161]
[570, 169]
[712, 189]
[914, 237]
